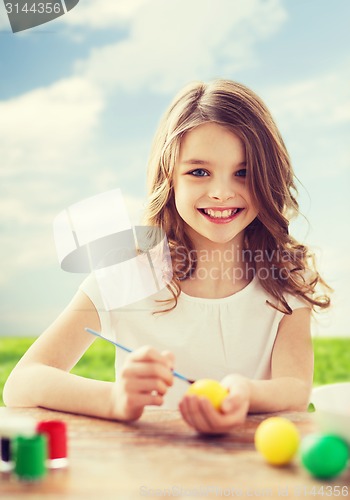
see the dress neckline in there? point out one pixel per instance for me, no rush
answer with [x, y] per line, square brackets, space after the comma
[241, 292]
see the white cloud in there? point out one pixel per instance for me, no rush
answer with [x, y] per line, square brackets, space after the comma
[19, 213]
[323, 100]
[105, 14]
[170, 43]
[44, 125]
[30, 202]
[313, 115]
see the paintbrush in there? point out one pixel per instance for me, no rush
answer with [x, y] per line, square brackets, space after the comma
[126, 349]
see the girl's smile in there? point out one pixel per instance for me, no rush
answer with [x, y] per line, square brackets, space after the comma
[211, 193]
[220, 215]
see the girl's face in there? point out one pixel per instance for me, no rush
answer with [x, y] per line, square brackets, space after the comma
[211, 193]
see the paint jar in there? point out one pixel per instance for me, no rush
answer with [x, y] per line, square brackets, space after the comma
[56, 433]
[30, 454]
[9, 429]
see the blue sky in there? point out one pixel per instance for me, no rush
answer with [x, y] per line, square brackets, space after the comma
[81, 96]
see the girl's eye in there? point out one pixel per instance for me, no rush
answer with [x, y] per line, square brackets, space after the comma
[198, 172]
[241, 173]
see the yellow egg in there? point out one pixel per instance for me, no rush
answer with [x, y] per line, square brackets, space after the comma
[277, 439]
[210, 389]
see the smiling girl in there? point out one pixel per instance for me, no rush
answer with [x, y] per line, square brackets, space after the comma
[238, 308]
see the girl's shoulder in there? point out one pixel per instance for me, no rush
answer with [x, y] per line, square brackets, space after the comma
[109, 295]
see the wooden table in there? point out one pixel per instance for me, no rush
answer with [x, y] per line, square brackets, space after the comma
[159, 456]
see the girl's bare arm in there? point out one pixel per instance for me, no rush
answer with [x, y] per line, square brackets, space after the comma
[42, 378]
[291, 368]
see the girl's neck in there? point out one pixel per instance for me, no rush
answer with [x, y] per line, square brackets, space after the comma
[221, 271]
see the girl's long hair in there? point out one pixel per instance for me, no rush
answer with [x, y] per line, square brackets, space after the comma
[284, 265]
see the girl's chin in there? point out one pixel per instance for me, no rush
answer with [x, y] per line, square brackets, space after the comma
[206, 238]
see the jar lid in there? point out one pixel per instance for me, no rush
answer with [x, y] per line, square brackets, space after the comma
[17, 426]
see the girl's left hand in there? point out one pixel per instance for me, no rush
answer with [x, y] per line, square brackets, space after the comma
[199, 413]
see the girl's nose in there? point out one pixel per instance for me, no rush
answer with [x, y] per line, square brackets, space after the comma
[221, 191]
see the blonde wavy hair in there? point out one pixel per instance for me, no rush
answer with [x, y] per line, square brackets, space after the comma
[270, 179]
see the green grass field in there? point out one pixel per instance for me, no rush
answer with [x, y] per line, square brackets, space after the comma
[332, 360]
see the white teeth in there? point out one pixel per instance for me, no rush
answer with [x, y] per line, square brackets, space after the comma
[220, 214]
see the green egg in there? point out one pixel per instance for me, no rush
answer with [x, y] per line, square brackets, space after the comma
[324, 455]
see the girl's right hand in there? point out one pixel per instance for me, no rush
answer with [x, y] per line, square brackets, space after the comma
[143, 380]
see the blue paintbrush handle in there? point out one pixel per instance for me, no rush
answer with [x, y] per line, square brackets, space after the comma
[126, 349]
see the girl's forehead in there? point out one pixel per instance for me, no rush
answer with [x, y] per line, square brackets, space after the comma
[211, 139]
[209, 131]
